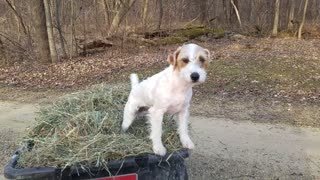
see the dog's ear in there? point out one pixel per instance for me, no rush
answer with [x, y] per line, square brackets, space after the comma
[208, 54]
[172, 58]
[176, 53]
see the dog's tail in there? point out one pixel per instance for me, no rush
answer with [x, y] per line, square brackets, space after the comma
[134, 79]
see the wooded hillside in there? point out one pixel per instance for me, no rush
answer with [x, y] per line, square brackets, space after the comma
[49, 31]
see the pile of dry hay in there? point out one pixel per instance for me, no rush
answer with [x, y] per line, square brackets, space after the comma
[83, 129]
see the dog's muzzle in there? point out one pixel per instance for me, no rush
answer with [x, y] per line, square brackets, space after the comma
[195, 76]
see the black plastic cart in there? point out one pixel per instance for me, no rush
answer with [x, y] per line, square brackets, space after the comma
[145, 167]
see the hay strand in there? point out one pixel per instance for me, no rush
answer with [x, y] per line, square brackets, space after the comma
[83, 130]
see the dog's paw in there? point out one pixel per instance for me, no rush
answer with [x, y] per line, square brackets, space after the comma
[187, 143]
[124, 127]
[159, 149]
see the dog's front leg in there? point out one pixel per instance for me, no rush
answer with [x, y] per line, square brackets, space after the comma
[183, 117]
[156, 118]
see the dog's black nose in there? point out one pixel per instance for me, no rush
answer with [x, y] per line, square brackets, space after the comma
[195, 76]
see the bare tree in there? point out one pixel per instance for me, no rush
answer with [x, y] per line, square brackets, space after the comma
[145, 13]
[57, 16]
[95, 2]
[303, 18]
[84, 31]
[253, 15]
[122, 11]
[3, 56]
[300, 8]
[106, 12]
[72, 29]
[160, 14]
[318, 13]
[313, 10]
[52, 46]
[203, 11]
[101, 22]
[291, 14]
[40, 35]
[19, 21]
[18, 15]
[259, 16]
[225, 11]
[237, 12]
[276, 18]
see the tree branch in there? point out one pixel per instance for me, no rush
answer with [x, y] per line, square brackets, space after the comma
[19, 16]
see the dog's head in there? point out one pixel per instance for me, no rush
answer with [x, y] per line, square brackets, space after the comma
[190, 61]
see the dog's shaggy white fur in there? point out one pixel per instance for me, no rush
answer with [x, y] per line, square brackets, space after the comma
[169, 91]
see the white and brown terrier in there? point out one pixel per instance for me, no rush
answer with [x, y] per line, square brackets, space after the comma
[169, 91]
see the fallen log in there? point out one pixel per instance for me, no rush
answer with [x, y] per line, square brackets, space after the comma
[94, 43]
[168, 32]
[172, 36]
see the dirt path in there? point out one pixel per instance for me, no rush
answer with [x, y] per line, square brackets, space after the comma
[225, 149]
[16, 115]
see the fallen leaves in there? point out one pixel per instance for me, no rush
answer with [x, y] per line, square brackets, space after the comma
[75, 73]
[267, 68]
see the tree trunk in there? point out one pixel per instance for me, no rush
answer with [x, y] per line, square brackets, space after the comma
[237, 12]
[101, 19]
[160, 14]
[106, 12]
[303, 19]
[300, 7]
[145, 14]
[52, 46]
[314, 10]
[232, 13]
[182, 10]
[318, 13]
[225, 11]
[276, 18]
[203, 11]
[291, 14]
[213, 22]
[57, 16]
[3, 56]
[95, 2]
[250, 12]
[17, 22]
[71, 36]
[255, 16]
[40, 35]
[84, 32]
[122, 11]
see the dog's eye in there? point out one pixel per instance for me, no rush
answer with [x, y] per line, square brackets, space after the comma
[185, 61]
[201, 59]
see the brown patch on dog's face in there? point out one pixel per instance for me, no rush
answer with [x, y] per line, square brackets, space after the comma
[181, 63]
[203, 62]
[204, 59]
